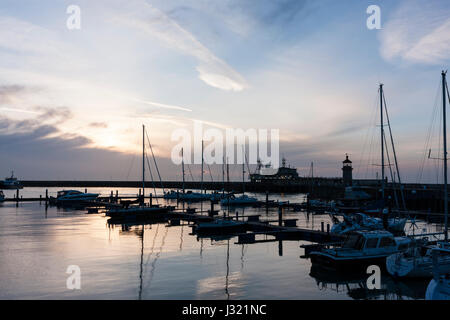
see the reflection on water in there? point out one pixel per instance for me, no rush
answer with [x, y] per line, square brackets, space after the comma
[355, 285]
[161, 261]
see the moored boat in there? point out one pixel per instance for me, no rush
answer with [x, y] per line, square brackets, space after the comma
[359, 250]
[11, 183]
[72, 196]
[219, 226]
[243, 200]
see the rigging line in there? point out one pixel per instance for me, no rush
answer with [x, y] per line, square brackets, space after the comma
[394, 153]
[246, 161]
[448, 94]
[151, 176]
[390, 171]
[154, 160]
[370, 151]
[366, 137]
[132, 161]
[429, 135]
[190, 172]
[210, 174]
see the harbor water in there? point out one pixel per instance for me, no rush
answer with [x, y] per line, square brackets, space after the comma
[158, 261]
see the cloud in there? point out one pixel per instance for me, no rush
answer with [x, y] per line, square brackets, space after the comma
[103, 125]
[417, 33]
[41, 151]
[212, 70]
[161, 105]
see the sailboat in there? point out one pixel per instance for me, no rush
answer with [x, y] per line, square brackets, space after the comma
[141, 211]
[418, 261]
[362, 221]
[243, 200]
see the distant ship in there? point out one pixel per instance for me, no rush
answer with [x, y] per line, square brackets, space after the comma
[11, 183]
[265, 173]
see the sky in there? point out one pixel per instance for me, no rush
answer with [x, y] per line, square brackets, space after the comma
[72, 102]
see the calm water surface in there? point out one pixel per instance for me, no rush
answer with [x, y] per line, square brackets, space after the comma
[157, 261]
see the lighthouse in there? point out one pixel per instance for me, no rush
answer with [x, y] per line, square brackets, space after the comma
[347, 171]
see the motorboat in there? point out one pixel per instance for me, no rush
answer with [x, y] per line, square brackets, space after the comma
[360, 249]
[243, 200]
[138, 212]
[172, 194]
[361, 221]
[191, 196]
[11, 183]
[73, 196]
[219, 226]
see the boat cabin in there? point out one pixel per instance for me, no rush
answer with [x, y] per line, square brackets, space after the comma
[66, 192]
[375, 240]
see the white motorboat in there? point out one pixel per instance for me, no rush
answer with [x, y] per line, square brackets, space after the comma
[360, 249]
[72, 196]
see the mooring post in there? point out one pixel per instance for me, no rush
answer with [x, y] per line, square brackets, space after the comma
[280, 216]
[280, 248]
[322, 226]
[139, 192]
[237, 216]
[117, 195]
[17, 195]
[212, 206]
[46, 195]
[328, 228]
[151, 199]
[85, 190]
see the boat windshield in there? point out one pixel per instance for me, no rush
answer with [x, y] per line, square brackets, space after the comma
[354, 241]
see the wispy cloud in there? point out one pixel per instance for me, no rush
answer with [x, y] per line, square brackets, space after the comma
[418, 32]
[212, 70]
[160, 105]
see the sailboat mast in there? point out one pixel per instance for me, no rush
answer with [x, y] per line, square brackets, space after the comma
[223, 175]
[243, 170]
[445, 153]
[228, 175]
[143, 163]
[201, 185]
[382, 144]
[182, 165]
